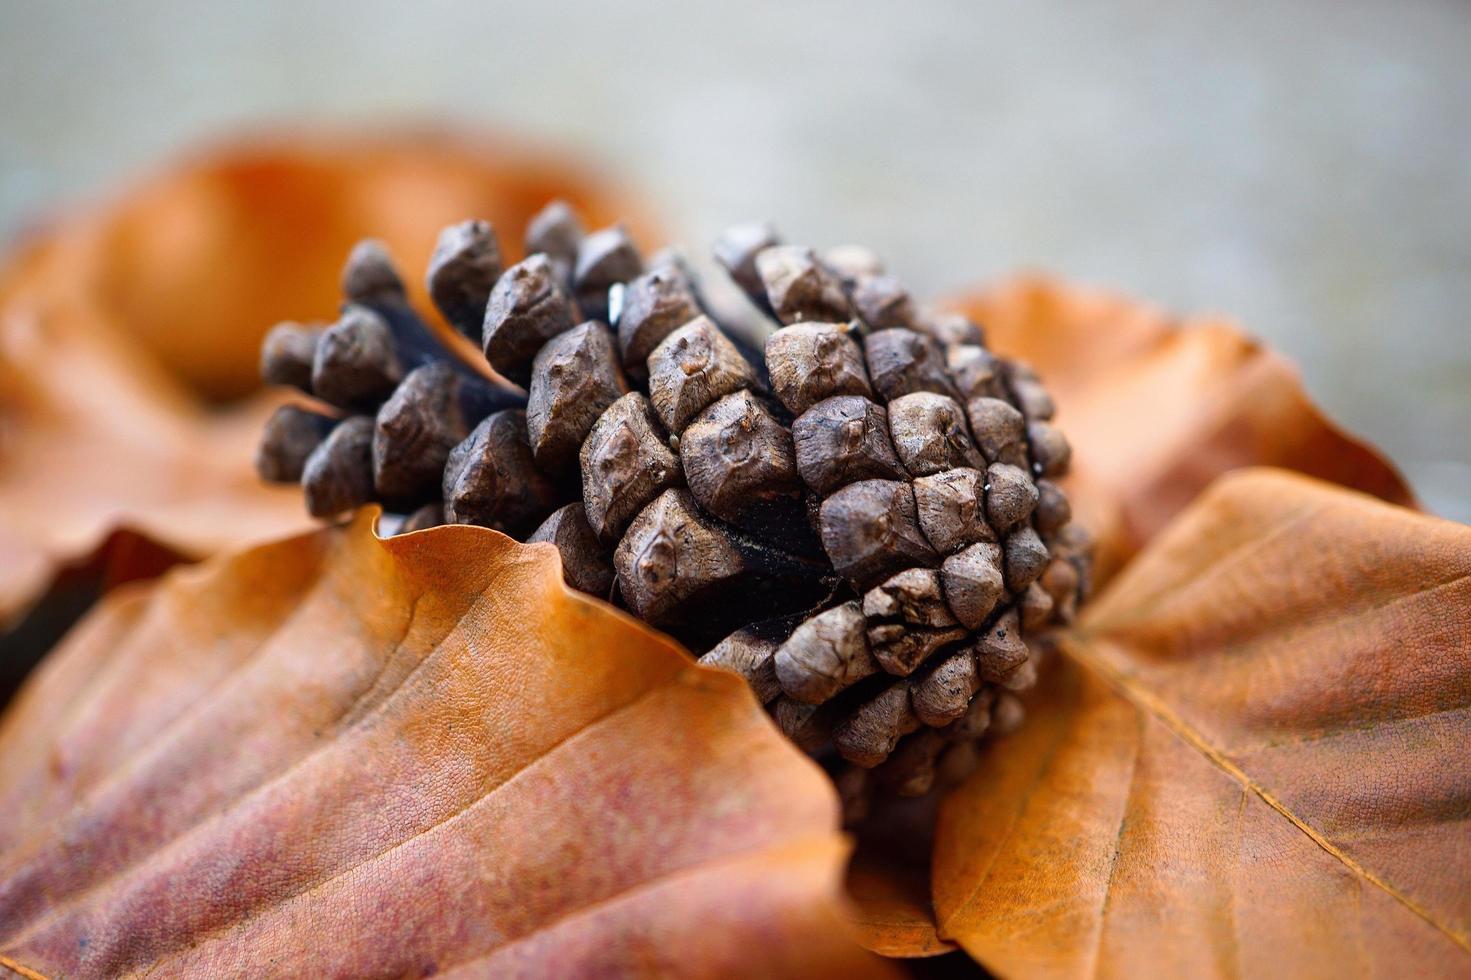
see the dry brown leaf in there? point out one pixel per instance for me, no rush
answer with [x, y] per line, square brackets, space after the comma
[125, 556]
[93, 438]
[889, 879]
[198, 263]
[1157, 408]
[892, 910]
[339, 755]
[1251, 762]
[120, 329]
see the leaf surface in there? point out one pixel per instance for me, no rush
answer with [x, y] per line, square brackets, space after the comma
[891, 896]
[125, 329]
[1157, 407]
[1250, 762]
[340, 754]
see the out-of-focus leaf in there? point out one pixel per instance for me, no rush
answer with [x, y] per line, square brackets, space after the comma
[892, 905]
[341, 755]
[93, 438]
[889, 878]
[198, 263]
[123, 557]
[1251, 761]
[124, 328]
[1157, 408]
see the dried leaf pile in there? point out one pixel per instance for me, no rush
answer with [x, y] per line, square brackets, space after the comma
[338, 753]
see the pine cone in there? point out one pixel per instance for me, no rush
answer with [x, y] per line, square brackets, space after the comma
[922, 447]
[862, 521]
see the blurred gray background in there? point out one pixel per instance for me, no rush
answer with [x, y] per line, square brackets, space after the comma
[1303, 166]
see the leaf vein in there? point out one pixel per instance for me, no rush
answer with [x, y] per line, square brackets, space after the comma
[1118, 843]
[1129, 687]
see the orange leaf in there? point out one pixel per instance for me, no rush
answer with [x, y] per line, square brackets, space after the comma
[93, 439]
[1251, 762]
[889, 878]
[339, 754]
[892, 905]
[123, 557]
[1156, 408]
[120, 330]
